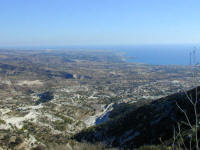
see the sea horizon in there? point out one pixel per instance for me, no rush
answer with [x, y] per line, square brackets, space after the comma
[153, 54]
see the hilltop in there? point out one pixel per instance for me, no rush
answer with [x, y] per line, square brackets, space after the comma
[150, 124]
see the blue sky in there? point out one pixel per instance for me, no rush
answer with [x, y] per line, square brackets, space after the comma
[99, 22]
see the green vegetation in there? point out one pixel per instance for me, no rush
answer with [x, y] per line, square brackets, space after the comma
[62, 124]
[2, 122]
[72, 86]
[59, 125]
[152, 123]
[66, 120]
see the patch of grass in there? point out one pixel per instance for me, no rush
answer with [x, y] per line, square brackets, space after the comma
[2, 122]
[59, 125]
[66, 120]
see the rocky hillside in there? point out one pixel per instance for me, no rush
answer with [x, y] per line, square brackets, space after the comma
[150, 124]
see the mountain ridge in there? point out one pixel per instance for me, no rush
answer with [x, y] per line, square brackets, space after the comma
[149, 124]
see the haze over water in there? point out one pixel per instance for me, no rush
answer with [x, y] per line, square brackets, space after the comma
[160, 55]
[154, 54]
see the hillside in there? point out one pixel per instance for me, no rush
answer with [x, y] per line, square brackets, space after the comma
[46, 97]
[150, 124]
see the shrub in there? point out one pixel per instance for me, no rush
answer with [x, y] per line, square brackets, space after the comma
[2, 122]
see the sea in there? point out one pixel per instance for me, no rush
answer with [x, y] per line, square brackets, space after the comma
[148, 54]
[155, 54]
[161, 54]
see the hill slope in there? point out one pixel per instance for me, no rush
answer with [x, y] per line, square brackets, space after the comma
[146, 125]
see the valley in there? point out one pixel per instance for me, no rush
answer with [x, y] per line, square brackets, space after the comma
[48, 96]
